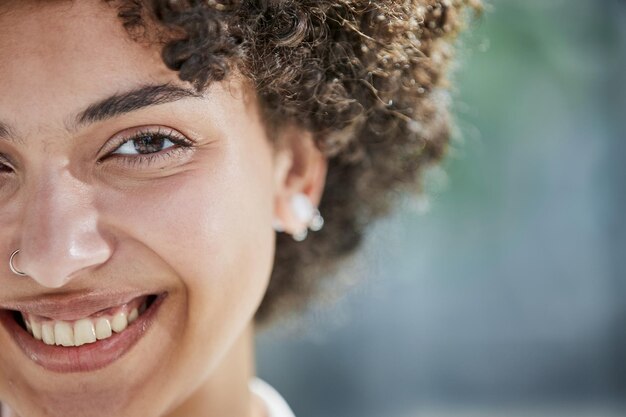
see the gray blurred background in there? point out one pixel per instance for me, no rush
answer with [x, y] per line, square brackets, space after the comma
[502, 293]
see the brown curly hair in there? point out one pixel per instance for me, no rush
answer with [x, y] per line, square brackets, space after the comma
[365, 77]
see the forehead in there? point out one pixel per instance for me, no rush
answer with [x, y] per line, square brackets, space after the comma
[58, 56]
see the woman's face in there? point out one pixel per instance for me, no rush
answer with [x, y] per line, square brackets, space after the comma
[100, 219]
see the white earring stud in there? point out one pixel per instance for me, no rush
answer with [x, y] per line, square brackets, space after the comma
[306, 213]
[302, 207]
[277, 225]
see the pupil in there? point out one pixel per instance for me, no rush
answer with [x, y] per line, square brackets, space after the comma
[148, 144]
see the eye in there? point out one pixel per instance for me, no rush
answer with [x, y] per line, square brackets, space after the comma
[4, 167]
[148, 146]
[144, 143]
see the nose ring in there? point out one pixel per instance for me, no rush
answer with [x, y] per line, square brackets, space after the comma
[13, 268]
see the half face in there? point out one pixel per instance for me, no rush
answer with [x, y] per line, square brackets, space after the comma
[127, 194]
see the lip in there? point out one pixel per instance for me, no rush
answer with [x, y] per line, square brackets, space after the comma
[71, 306]
[85, 358]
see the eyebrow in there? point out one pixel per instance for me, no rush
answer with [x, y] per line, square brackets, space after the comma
[117, 104]
[4, 130]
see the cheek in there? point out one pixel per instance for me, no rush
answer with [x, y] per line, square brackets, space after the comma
[210, 225]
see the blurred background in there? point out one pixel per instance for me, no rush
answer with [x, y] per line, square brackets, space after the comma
[503, 293]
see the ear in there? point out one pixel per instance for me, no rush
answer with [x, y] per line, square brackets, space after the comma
[299, 168]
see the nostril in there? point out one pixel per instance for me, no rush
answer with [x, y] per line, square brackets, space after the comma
[53, 273]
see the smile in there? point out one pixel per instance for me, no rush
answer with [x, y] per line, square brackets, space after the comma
[81, 343]
[99, 326]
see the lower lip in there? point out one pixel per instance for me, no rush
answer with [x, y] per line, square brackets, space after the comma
[85, 358]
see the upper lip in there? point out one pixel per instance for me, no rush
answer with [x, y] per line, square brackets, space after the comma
[71, 306]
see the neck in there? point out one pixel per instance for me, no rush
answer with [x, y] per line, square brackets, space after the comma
[225, 393]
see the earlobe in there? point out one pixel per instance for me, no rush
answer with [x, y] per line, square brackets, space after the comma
[300, 174]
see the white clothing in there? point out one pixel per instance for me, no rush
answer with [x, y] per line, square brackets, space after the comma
[275, 403]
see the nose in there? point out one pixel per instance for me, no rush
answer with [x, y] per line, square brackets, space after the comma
[59, 233]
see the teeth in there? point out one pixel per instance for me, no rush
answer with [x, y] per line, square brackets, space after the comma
[133, 315]
[103, 329]
[47, 333]
[63, 334]
[83, 331]
[119, 322]
[36, 330]
[30, 329]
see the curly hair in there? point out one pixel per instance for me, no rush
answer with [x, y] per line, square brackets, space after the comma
[366, 78]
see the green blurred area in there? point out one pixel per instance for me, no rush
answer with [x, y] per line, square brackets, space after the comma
[504, 287]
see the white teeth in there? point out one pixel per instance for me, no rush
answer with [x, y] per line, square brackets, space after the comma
[36, 330]
[30, 329]
[119, 322]
[47, 333]
[103, 329]
[84, 332]
[63, 334]
[133, 315]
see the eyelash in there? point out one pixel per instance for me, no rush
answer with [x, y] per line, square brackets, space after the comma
[181, 143]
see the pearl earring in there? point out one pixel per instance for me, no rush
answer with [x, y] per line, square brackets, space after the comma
[306, 213]
[277, 225]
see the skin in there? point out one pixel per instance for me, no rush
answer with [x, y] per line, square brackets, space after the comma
[197, 225]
